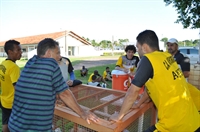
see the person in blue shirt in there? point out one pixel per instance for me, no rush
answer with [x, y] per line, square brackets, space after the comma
[40, 82]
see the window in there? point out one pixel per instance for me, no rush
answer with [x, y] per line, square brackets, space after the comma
[31, 48]
[24, 50]
[184, 51]
[194, 51]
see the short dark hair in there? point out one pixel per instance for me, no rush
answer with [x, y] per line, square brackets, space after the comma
[96, 72]
[94, 77]
[9, 45]
[150, 38]
[130, 47]
[45, 44]
[107, 67]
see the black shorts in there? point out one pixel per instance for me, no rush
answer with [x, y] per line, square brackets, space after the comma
[151, 129]
[5, 115]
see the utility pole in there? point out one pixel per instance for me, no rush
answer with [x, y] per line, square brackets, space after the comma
[66, 45]
[112, 45]
[199, 45]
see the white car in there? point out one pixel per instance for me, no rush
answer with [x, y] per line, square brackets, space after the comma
[190, 52]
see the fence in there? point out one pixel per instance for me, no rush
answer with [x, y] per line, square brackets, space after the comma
[194, 77]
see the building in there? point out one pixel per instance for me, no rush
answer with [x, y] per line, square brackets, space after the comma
[70, 44]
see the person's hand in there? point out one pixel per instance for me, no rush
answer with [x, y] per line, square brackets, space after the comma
[89, 116]
[132, 74]
[70, 82]
[126, 70]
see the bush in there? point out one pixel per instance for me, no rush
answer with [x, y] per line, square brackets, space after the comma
[115, 53]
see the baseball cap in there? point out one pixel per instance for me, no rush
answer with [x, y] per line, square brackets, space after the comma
[172, 40]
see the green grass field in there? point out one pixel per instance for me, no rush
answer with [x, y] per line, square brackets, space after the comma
[74, 61]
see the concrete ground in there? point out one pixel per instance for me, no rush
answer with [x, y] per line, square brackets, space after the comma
[95, 62]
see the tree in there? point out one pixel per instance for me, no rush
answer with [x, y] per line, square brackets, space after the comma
[164, 40]
[94, 43]
[189, 12]
[196, 42]
[105, 44]
[122, 42]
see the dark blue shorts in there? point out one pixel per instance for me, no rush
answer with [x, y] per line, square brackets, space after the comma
[5, 115]
[151, 129]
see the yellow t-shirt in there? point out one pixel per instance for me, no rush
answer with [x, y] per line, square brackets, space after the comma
[104, 74]
[170, 94]
[9, 74]
[90, 78]
[124, 62]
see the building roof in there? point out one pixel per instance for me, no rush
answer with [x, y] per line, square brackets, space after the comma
[37, 38]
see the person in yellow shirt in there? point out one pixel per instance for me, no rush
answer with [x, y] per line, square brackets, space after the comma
[107, 74]
[99, 78]
[9, 74]
[166, 86]
[128, 62]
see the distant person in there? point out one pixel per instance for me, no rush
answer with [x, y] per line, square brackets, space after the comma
[165, 85]
[99, 78]
[183, 62]
[9, 75]
[35, 92]
[128, 62]
[94, 83]
[107, 74]
[67, 70]
[84, 71]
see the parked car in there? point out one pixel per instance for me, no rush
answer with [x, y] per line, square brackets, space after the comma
[190, 52]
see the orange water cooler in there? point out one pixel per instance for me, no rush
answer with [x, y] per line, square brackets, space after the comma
[120, 80]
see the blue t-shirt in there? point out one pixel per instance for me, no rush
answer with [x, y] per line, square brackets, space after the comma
[35, 95]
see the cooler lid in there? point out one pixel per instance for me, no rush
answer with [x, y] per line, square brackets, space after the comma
[118, 72]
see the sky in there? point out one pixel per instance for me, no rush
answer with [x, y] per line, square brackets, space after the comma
[93, 19]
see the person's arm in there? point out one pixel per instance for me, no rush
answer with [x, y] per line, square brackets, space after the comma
[185, 66]
[14, 75]
[130, 97]
[72, 75]
[184, 63]
[70, 70]
[143, 99]
[68, 98]
[122, 69]
[143, 73]
[70, 67]
[119, 65]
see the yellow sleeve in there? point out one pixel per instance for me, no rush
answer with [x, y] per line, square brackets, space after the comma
[104, 74]
[195, 94]
[90, 78]
[119, 62]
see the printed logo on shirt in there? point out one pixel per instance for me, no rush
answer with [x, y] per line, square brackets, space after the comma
[176, 73]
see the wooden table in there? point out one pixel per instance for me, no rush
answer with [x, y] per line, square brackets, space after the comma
[103, 102]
